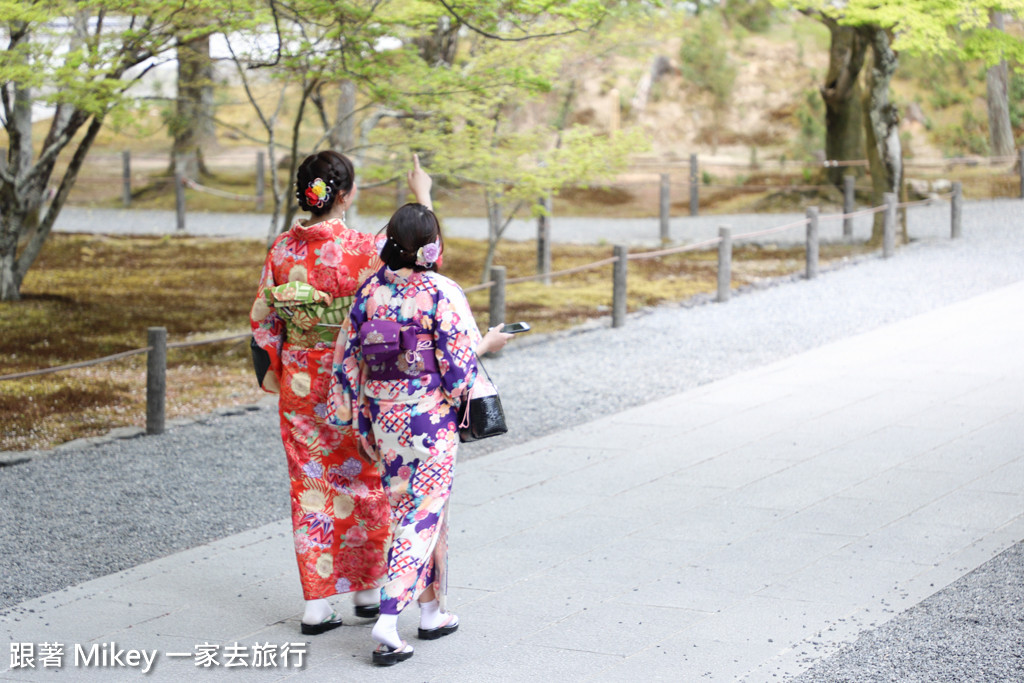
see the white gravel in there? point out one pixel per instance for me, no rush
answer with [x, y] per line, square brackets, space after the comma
[87, 511]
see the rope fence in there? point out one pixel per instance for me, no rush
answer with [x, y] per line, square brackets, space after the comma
[156, 370]
[943, 162]
[659, 172]
[157, 346]
[193, 185]
[74, 366]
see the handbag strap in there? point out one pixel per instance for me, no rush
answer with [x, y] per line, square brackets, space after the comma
[469, 394]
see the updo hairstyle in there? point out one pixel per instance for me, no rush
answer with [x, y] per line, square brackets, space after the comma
[334, 169]
[411, 227]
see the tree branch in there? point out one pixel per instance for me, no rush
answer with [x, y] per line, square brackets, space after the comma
[35, 243]
[277, 32]
[495, 36]
[245, 83]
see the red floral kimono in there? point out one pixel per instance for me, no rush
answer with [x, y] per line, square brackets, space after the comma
[340, 514]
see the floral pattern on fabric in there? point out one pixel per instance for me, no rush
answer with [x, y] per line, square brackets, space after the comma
[340, 512]
[410, 424]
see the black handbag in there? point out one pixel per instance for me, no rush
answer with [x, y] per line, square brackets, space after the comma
[260, 360]
[481, 416]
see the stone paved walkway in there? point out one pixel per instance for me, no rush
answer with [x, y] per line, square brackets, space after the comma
[740, 530]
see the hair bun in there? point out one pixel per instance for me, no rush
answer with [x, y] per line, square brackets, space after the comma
[321, 179]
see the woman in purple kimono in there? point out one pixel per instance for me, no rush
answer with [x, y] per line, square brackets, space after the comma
[409, 362]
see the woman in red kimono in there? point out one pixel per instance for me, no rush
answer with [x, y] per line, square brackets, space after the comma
[340, 514]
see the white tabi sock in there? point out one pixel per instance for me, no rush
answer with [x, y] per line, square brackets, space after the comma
[385, 631]
[317, 611]
[431, 616]
[370, 596]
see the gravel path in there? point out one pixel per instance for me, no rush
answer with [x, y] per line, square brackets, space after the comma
[924, 221]
[83, 512]
[970, 632]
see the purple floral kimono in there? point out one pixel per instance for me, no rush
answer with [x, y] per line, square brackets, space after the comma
[405, 411]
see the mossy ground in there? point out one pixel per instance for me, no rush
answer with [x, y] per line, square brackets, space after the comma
[90, 296]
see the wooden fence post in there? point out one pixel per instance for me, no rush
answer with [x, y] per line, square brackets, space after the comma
[694, 186]
[724, 263]
[497, 300]
[494, 219]
[179, 201]
[664, 206]
[126, 177]
[889, 225]
[812, 242]
[619, 285]
[156, 380]
[496, 312]
[956, 209]
[260, 180]
[544, 239]
[1020, 170]
[849, 202]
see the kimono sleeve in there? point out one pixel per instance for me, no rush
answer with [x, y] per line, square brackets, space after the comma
[267, 326]
[344, 395]
[457, 337]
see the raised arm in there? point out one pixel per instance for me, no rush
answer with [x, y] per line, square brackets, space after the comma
[420, 183]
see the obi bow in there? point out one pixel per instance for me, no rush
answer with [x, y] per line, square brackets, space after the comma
[383, 343]
[300, 303]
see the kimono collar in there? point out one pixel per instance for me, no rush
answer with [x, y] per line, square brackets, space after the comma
[317, 231]
[397, 278]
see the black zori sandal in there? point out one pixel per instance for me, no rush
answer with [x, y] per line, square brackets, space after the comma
[434, 633]
[331, 622]
[389, 656]
[367, 611]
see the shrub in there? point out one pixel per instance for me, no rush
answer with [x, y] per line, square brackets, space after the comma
[704, 59]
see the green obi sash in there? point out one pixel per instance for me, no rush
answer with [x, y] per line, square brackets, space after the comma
[310, 315]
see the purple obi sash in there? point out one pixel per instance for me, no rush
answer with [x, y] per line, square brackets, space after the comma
[394, 351]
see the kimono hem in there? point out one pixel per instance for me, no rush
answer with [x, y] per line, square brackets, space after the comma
[340, 516]
[409, 421]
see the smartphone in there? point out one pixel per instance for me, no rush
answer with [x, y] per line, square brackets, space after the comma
[516, 328]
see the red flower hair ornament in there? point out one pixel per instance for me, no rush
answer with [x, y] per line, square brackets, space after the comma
[318, 193]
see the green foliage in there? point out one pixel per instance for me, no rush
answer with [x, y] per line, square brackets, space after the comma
[970, 136]
[64, 66]
[930, 27]
[80, 59]
[705, 61]
[455, 107]
[755, 16]
[1016, 98]
[946, 82]
[469, 128]
[811, 118]
[943, 97]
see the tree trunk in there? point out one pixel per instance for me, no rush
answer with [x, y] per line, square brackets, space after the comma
[439, 47]
[493, 202]
[193, 126]
[20, 223]
[342, 137]
[17, 219]
[10, 283]
[844, 132]
[881, 124]
[25, 217]
[999, 129]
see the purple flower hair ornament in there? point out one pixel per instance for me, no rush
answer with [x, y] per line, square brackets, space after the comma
[428, 254]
